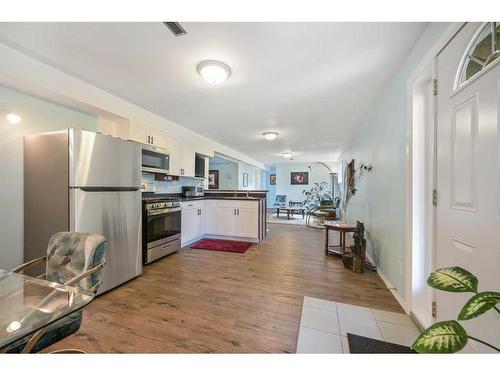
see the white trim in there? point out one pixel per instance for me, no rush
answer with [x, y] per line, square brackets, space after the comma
[445, 38]
[391, 287]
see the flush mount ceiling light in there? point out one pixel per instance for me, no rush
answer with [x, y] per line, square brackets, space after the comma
[214, 72]
[287, 155]
[270, 136]
[11, 117]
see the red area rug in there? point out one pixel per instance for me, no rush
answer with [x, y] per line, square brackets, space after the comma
[222, 245]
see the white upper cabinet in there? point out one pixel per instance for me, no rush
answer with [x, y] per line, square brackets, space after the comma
[148, 135]
[188, 159]
[181, 158]
[158, 138]
[138, 133]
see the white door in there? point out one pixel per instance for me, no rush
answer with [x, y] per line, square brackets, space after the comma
[227, 223]
[423, 184]
[468, 172]
[248, 222]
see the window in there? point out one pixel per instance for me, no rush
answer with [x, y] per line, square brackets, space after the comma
[483, 50]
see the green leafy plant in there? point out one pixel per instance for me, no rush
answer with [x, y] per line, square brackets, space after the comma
[450, 336]
[317, 193]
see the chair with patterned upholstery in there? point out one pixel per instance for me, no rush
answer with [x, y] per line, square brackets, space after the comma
[280, 201]
[74, 259]
[325, 210]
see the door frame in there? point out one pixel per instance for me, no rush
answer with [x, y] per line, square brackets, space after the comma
[428, 60]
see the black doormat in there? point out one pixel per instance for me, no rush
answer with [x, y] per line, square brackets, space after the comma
[364, 345]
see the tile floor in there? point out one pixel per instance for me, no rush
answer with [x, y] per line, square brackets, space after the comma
[324, 326]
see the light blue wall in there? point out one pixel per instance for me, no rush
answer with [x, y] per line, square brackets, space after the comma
[271, 194]
[251, 171]
[380, 139]
[38, 115]
[317, 173]
[228, 174]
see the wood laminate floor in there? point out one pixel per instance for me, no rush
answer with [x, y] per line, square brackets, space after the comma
[198, 301]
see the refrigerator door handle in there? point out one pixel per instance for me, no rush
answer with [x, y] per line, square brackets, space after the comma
[100, 188]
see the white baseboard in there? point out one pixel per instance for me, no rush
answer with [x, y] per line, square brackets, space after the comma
[389, 286]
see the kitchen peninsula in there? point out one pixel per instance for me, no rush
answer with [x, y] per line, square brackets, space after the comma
[225, 214]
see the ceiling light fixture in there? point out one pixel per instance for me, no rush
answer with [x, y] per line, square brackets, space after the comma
[214, 72]
[13, 118]
[270, 136]
[287, 155]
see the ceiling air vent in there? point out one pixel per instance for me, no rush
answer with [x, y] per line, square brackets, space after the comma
[175, 28]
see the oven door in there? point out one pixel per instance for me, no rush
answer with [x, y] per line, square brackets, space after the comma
[163, 225]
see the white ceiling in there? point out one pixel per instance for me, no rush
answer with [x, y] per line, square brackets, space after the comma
[312, 82]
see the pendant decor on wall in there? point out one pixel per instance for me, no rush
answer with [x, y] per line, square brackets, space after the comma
[272, 179]
[299, 178]
[213, 179]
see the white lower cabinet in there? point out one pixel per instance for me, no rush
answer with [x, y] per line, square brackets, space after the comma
[227, 224]
[192, 221]
[237, 218]
[229, 218]
[211, 216]
[248, 222]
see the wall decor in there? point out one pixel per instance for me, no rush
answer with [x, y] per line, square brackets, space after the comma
[350, 176]
[272, 179]
[245, 179]
[299, 178]
[213, 179]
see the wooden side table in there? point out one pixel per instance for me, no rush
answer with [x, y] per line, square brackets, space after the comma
[337, 226]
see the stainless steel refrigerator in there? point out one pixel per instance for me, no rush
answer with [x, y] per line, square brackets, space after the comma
[77, 180]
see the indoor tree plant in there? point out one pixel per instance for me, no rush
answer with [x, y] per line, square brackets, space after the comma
[449, 336]
[319, 192]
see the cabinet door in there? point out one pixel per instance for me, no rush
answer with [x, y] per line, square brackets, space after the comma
[158, 138]
[188, 155]
[226, 221]
[248, 222]
[189, 222]
[210, 216]
[200, 228]
[173, 148]
[138, 133]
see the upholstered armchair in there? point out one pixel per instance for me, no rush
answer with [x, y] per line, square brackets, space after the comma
[280, 201]
[325, 210]
[74, 259]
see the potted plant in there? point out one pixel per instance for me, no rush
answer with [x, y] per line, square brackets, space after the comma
[450, 336]
[319, 192]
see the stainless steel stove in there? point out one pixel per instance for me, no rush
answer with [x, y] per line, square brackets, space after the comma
[161, 228]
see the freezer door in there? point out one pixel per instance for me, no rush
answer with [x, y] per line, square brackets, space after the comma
[116, 215]
[98, 160]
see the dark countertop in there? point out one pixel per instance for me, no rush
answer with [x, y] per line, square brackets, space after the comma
[206, 197]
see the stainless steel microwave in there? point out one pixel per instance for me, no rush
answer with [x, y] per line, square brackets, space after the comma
[155, 159]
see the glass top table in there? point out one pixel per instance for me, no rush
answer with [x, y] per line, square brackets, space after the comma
[28, 304]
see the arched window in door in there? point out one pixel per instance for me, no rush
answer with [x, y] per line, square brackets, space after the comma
[482, 51]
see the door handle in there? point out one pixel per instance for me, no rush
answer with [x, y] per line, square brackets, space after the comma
[152, 141]
[238, 212]
[149, 139]
[234, 212]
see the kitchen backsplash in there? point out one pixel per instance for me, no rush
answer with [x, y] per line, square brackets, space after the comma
[171, 187]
